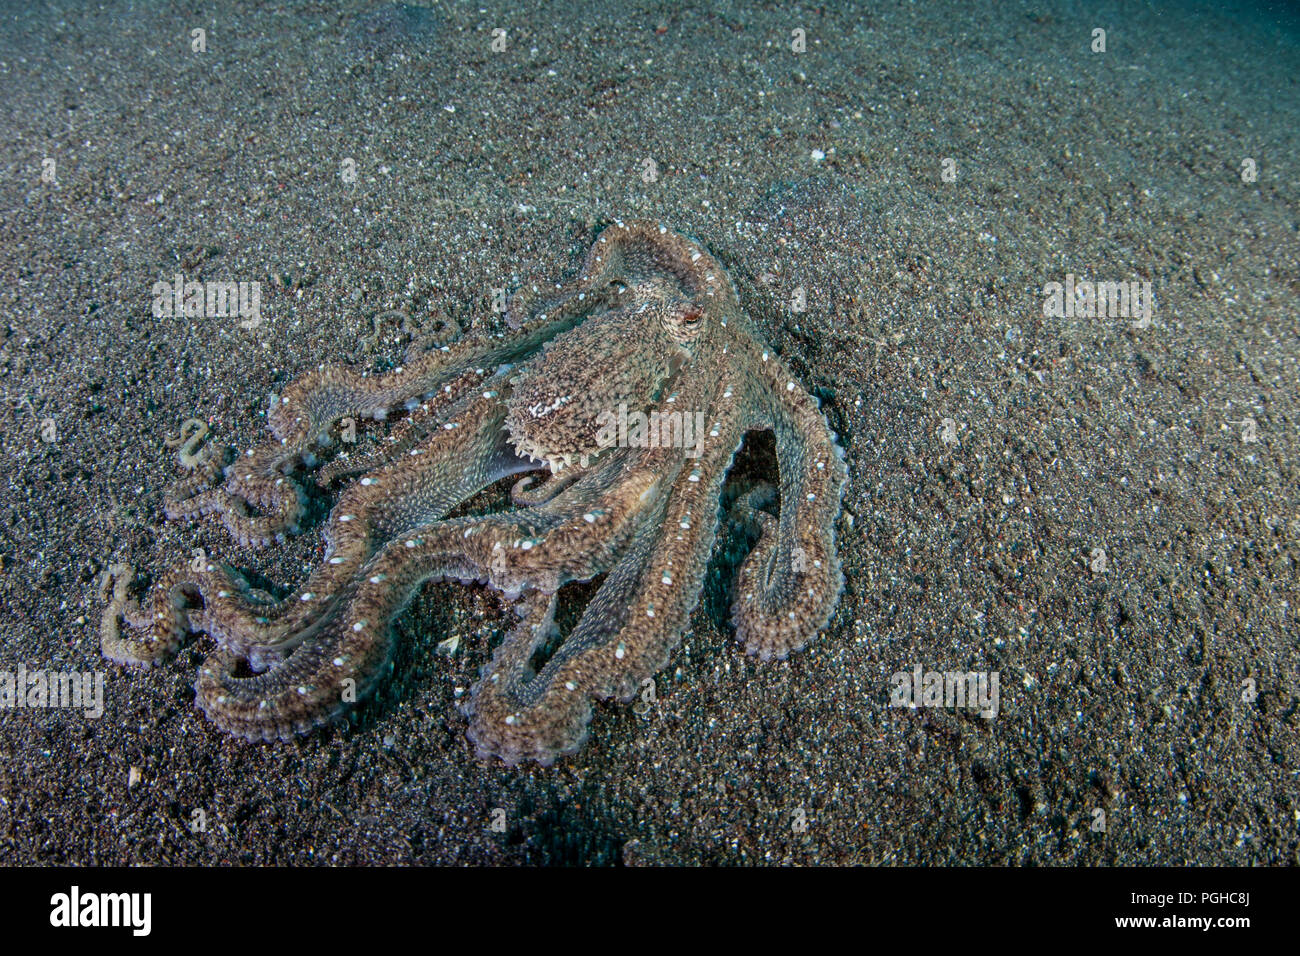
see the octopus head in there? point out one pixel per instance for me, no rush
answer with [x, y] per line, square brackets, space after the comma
[621, 359]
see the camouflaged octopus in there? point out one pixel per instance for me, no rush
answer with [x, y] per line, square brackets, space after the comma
[651, 324]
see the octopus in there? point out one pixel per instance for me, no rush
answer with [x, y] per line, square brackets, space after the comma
[615, 407]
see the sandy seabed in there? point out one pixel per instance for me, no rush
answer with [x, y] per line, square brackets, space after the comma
[921, 172]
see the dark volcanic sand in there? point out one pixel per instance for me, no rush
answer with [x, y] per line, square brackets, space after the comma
[1121, 690]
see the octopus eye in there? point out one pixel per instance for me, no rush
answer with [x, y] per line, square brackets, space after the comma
[691, 317]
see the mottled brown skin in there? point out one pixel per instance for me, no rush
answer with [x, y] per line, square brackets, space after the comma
[651, 323]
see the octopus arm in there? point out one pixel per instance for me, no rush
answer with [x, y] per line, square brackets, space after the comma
[450, 466]
[349, 654]
[626, 632]
[303, 416]
[791, 581]
[346, 654]
[315, 401]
